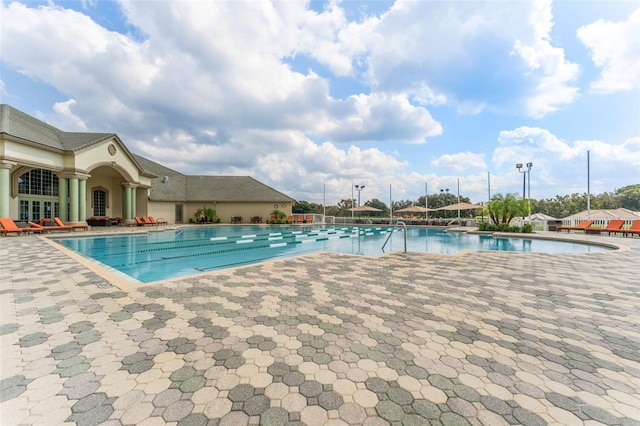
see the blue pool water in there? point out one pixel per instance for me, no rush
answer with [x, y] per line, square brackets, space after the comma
[166, 254]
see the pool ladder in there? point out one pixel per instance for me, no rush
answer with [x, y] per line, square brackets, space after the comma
[177, 228]
[404, 225]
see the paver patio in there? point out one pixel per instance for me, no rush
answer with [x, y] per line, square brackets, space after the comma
[400, 339]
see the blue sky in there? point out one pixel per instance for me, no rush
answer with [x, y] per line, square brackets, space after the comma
[314, 97]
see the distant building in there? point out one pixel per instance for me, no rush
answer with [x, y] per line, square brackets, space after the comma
[46, 172]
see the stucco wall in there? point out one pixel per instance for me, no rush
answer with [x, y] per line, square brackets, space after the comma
[36, 157]
[226, 211]
[163, 210]
[98, 155]
[114, 194]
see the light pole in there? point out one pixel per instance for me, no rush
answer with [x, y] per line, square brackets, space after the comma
[524, 183]
[442, 192]
[459, 222]
[529, 166]
[426, 196]
[359, 188]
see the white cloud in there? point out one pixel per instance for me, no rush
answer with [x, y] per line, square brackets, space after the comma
[65, 118]
[380, 117]
[188, 72]
[561, 167]
[615, 47]
[551, 73]
[460, 161]
[459, 53]
[250, 88]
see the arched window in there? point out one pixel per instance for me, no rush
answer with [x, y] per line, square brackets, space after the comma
[38, 182]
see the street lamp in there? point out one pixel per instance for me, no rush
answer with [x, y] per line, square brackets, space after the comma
[359, 188]
[442, 192]
[524, 182]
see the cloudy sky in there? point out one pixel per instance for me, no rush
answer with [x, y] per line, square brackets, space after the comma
[312, 97]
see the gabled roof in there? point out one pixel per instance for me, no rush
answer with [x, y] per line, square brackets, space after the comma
[232, 189]
[170, 185]
[620, 213]
[167, 185]
[539, 217]
[16, 123]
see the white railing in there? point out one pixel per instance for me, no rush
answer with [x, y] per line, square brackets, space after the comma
[391, 233]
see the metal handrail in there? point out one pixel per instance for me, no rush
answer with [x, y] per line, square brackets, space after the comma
[173, 226]
[404, 225]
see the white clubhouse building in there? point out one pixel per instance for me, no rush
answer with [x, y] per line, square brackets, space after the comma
[46, 172]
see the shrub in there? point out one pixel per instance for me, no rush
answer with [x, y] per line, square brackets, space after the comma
[504, 227]
[210, 215]
[486, 226]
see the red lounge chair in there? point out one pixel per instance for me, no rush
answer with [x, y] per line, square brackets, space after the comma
[36, 228]
[308, 219]
[582, 226]
[299, 219]
[290, 219]
[139, 221]
[614, 226]
[147, 221]
[634, 229]
[59, 225]
[8, 225]
[63, 226]
[157, 222]
[43, 221]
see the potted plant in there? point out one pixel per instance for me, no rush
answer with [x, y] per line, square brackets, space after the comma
[209, 214]
[279, 215]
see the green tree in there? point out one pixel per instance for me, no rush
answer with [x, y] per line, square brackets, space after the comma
[375, 203]
[317, 208]
[302, 207]
[343, 208]
[503, 209]
[629, 197]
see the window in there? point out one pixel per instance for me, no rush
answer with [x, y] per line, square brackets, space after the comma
[38, 182]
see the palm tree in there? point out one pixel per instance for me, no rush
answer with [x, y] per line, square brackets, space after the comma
[503, 209]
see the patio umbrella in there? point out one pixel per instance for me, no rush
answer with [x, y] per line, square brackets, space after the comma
[415, 209]
[364, 209]
[461, 206]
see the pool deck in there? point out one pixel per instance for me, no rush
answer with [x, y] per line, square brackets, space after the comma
[325, 339]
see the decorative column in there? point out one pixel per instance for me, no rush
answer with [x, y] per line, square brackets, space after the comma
[129, 203]
[134, 201]
[82, 199]
[5, 189]
[73, 200]
[63, 196]
[128, 211]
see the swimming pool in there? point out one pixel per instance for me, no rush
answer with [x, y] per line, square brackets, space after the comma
[154, 256]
